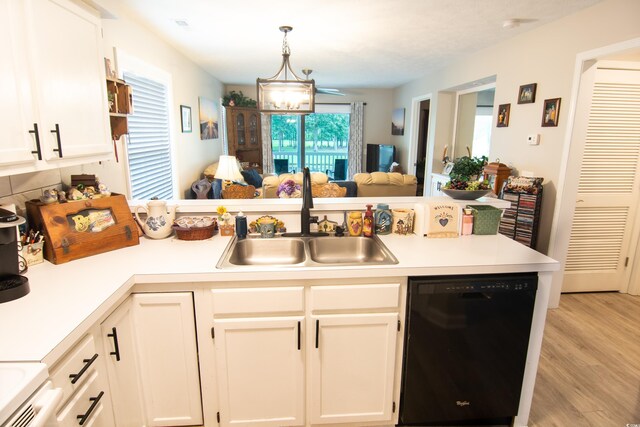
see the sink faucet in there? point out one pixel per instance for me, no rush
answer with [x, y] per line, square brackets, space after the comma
[307, 204]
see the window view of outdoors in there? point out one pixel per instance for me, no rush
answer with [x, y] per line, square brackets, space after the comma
[325, 139]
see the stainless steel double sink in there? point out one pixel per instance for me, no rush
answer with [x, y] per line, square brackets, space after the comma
[305, 252]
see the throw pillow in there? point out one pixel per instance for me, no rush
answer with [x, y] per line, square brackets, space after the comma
[252, 177]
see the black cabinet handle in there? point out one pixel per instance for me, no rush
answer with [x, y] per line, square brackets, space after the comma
[298, 335]
[87, 363]
[37, 135]
[317, 331]
[57, 132]
[94, 402]
[116, 347]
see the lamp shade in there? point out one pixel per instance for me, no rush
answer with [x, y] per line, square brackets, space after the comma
[228, 169]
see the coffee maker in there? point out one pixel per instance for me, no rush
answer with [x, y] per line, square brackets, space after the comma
[12, 284]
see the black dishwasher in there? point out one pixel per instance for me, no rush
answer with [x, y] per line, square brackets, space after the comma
[466, 348]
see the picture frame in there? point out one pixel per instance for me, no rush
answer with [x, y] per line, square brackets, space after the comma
[527, 93]
[185, 119]
[208, 119]
[397, 122]
[550, 112]
[504, 114]
[448, 167]
[109, 71]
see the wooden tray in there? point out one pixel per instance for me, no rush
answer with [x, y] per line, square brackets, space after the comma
[83, 228]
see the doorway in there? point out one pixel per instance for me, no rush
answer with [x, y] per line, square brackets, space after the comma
[421, 149]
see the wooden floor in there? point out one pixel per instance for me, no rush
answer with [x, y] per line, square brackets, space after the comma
[589, 373]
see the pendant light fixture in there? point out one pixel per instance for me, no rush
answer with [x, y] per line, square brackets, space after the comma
[285, 92]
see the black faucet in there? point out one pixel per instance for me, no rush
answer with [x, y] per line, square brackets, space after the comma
[307, 204]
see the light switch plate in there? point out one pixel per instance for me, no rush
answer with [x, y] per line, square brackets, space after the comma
[533, 139]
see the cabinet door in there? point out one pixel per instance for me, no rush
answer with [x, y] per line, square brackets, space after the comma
[254, 130]
[16, 119]
[241, 141]
[352, 367]
[168, 357]
[260, 366]
[68, 69]
[122, 367]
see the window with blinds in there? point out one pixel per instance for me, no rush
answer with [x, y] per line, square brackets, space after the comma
[149, 148]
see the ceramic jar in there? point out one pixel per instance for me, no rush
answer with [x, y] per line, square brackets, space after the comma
[354, 223]
[382, 219]
[402, 221]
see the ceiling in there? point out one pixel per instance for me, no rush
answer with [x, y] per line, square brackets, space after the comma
[348, 43]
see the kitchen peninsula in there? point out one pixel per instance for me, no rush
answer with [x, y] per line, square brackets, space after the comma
[73, 304]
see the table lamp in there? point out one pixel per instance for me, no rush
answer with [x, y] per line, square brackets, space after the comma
[228, 170]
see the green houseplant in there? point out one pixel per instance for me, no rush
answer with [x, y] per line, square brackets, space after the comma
[237, 99]
[465, 173]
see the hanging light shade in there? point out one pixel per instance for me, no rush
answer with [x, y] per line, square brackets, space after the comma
[285, 92]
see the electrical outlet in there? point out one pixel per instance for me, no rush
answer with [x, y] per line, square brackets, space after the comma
[533, 139]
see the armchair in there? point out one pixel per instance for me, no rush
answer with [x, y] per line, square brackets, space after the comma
[339, 172]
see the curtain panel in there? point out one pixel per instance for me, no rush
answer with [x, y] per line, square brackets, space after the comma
[267, 154]
[356, 130]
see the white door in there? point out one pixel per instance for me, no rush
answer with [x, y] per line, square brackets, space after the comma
[168, 358]
[352, 367]
[607, 196]
[260, 371]
[119, 343]
[16, 118]
[68, 69]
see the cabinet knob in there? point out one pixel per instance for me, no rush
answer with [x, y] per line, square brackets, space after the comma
[38, 150]
[57, 132]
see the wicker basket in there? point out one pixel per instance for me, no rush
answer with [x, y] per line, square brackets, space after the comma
[486, 219]
[195, 233]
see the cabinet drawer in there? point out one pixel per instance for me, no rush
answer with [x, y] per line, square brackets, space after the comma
[89, 402]
[75, 367]
[355, 297]
[258, 300]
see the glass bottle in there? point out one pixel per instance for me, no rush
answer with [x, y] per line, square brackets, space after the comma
[367, 223]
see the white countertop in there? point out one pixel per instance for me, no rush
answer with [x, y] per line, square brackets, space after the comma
[69, 298]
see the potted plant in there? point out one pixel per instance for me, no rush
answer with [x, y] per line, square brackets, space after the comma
[465, 176]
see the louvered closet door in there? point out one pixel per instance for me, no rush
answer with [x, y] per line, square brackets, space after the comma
[608, 190]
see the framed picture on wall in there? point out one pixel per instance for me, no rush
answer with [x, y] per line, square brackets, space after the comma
[527, 94]
[208, 118]
[550, 112]
[185, 118]
[504, 112]
[397, 122]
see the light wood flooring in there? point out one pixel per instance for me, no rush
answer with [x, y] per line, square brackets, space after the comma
[589, 372]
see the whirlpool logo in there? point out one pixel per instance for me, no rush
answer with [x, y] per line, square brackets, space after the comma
[462, 403]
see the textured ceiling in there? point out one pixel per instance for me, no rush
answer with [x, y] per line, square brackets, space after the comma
[348, 43]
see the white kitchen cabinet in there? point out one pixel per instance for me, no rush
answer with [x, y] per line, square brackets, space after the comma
[260, 365]
[353, 368]
[343, 367]
[168, 358]
[82, 377]
[153, 368]
[118, 335]
[56, 96]
[259, 351]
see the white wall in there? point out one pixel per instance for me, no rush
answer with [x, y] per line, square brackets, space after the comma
[545, 56]
[377, 112]
[189, 81]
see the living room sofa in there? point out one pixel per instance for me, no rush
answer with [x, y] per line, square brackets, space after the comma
[385, 184]
[319, 181]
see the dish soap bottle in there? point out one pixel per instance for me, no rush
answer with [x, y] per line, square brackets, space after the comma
[367, 224]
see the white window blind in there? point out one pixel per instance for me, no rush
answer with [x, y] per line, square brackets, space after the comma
[149, 148]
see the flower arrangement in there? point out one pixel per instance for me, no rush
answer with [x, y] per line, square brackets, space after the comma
[288, 189]
[224, 219]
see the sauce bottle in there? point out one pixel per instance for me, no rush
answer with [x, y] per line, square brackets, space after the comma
[367, 224]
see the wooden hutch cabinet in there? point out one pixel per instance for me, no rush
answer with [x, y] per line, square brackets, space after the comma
[244, 135]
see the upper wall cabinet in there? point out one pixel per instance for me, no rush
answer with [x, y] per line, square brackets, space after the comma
[55, 110]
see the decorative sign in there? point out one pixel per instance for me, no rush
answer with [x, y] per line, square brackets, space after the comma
[443, 219]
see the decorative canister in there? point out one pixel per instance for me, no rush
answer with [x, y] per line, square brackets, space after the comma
[402, 221]
[383, 219]
[354, 223]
